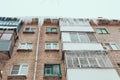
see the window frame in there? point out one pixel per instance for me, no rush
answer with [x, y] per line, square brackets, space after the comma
[25, 46]
[50, 29]
[109, 45]
[30, 30]
[20, 69]
[101, 31]
[100, 61]
[78, 37]
[52, 47]
[52, 70]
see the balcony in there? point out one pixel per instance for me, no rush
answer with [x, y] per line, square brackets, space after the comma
[6, 50]
[10, 23]
[89, 65]
[80, 41]
[75, 25]
[92, 74]
[87, 59]
[82, 46]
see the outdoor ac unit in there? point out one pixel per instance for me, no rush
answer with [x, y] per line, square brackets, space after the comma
[106, 48]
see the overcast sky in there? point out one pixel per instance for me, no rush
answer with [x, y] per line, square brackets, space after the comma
[61, 8]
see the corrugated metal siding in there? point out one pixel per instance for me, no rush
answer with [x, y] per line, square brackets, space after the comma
[6, 36]
[1, 31]
[5, 45]
[9, 31]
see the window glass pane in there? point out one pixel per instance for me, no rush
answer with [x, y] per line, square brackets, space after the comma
[48, 29]
[93, 62]
[56, 69]
[48, 69]
[114, 46]
[24, 69]
[22, 45]
[69, 62]
[101, 62]
[29, 45]
[106, 61]
[84, 62]
[48, 45]
[53, 29]
[83, 37]
[55, 46]
[76, 63]
[15, 72]
[92, 37]
[32, 29]
[74, 37]
[99, 31]
[27, 29]
[104, 31]
[15, 69]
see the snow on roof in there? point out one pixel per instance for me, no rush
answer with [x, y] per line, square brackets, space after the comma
[74, 22]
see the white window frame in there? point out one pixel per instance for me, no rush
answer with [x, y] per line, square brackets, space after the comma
[21, 65]
[88, 65]
[110, 46]
[78, 36]
[26, 46]
[30, 29]
[101, 32]
[51, 46]
[51, 27]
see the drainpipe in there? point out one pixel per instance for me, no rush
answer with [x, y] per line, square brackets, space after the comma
[37, 47]
[36, 58]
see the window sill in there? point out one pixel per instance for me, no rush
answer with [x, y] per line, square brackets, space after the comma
[51, 32]
[51, 49]
[28, 31]
[52, 75]
[24, 49]
[17, 77]
[103, 33]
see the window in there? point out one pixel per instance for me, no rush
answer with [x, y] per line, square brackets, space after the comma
[112, 46]
[51, 46]
[25, 46]
[29, 29]
[87, 60]
[52, 70]
[102, 31]
[79, 37]
[118, 65]
[19, 69]
[51, 30]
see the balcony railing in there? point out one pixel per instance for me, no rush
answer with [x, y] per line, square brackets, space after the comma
[87, 59]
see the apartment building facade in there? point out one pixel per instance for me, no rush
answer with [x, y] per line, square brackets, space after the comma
[107, 32]
[18, 48]
[84, 56]
[59, 49]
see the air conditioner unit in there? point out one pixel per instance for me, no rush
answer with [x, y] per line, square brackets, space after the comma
[106, 48]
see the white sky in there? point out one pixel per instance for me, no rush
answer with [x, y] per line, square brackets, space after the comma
[61, 8]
